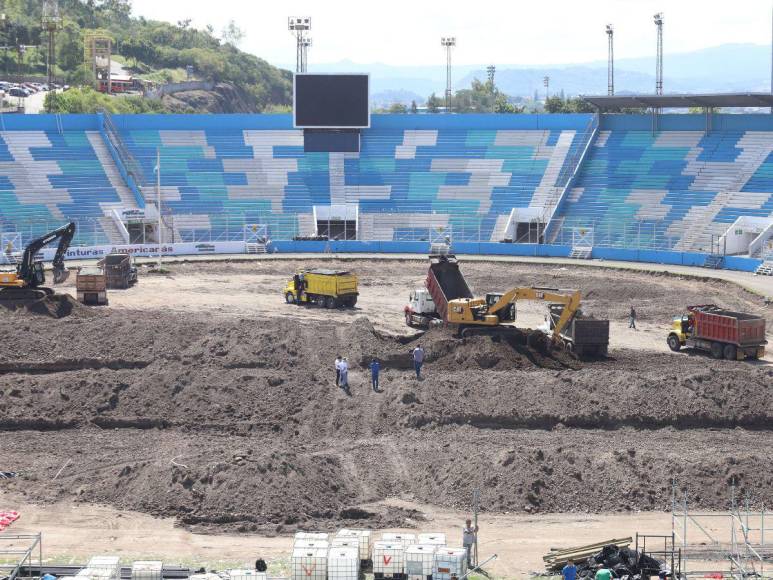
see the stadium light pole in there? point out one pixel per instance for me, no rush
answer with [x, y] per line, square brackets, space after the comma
[448, 42]
[546, 83]
[306, 44]
[298, 27]
[611, 60]
[658, 18]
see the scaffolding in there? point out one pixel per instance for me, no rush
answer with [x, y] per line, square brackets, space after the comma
[19, 553]
[729, 544]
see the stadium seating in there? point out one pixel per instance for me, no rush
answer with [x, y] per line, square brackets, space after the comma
[47, 178]
[402, 180]
[671, 190]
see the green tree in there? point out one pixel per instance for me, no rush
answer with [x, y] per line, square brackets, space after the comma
[414, 107]
[433, 103]
[398, 108]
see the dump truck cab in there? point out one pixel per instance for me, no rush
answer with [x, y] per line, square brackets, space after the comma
[325, 288]
[421, 310]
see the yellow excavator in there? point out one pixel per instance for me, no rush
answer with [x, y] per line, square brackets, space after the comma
[495, 313]
[27, 281]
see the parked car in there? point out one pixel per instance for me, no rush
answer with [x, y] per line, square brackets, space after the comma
[18, 92]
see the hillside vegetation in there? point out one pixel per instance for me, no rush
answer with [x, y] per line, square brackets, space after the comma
[154, 50]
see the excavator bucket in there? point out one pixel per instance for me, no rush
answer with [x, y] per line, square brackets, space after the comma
[61, 275]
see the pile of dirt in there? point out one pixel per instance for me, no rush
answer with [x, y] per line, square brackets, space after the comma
[53, 306]
[233, 421]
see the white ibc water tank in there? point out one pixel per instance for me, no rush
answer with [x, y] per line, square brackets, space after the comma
[419, 561]
[321, 544]
[343, 563]
[311, 536]
[245, 574]
[308, 564]
[431, 539]
[406, 539]
[389, 559]
[365, 538]
[147, 570]
[102, 568]
[449, 563]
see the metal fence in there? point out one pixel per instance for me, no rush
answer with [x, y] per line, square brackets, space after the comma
[372, 227]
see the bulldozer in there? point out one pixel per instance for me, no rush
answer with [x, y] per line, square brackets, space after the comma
[27, 283]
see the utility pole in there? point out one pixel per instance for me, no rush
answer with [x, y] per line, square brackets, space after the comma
[475, 509]
[158, 203]
[448, 42]
[659, 58]
[611, 60]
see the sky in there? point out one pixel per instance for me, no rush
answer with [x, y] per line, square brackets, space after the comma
[407, 32]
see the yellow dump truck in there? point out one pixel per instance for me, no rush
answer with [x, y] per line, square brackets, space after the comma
[324, 288]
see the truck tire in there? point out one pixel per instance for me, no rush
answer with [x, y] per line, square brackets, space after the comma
[716, 349]
[673, 342]
[330, 302]
[289, 298]
[730, 352]
[352, 302]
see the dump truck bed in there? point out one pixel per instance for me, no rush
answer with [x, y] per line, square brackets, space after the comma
[330, 282]
[445, 282]
[90, 279]
[587, 335]
[730, 327]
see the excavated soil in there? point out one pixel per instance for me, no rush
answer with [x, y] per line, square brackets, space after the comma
[228, 418]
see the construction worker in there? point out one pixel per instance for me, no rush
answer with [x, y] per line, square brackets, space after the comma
[338, 369]
[632, 319]
[344, 378]
[469, 537]
[418, 360]
[569, 572]
[375, 369]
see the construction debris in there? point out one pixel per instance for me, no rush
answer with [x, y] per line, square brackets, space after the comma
[614, 555]
[558, 558]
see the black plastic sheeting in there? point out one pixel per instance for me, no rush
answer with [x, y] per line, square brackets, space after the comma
[623, 562]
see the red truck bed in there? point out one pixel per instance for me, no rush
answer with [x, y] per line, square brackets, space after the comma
[445, 282]
[712, 323]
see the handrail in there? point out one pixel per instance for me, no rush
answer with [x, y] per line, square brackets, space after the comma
[133, 168]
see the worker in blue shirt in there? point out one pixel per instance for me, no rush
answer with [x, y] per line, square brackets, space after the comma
[569, 571]
[375, 369]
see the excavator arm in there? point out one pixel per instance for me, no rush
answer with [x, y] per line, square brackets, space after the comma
[26, 270]
[569, 298]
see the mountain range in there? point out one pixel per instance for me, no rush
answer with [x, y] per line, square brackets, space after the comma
[724, 68]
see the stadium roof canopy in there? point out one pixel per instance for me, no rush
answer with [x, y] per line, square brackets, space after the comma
[708, 100]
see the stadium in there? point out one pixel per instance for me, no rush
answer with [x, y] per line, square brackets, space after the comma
[196, 417]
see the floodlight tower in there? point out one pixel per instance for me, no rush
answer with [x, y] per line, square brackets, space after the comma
[546, 83]
[491, 70]
[448, 42]
[51, 22]
[659, 59]
[611, 60]
[299, 26]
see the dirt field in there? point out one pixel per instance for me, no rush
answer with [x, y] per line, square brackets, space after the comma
[201, 396]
